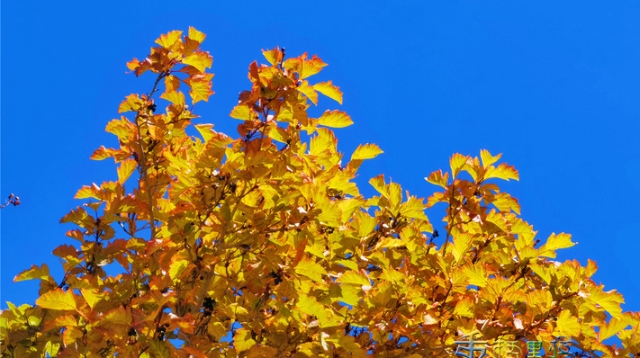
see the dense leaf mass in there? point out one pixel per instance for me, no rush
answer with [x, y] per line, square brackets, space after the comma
[263, 246]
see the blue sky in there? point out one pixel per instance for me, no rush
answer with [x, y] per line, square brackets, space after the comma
[554, 86]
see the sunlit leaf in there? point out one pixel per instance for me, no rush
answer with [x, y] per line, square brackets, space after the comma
[57, 300]
[335, 119]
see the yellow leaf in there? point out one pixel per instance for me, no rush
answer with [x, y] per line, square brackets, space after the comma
[242, 340]
[241, 112]
[505, 202]
[309, 305]
[438, 179]
[413, 208]
[175, 97]
[567, 325]
[274, 56]
[610, 301]
[612, 328]
[91, 296]
[196, 35]
[205, 131]
[457, 161]
[465, 307]
[555, 242]
[199, 60]
[487, 158]
[71, 334]
[86, 192]
[309, 268]
[308, 91]
[200, 87]
[177, 267]
[57, 299]
[310, 67]
[126, 169]
[350, 294]
[503, 171]
[461, 244]
[131, 104]
[366, 151]
[34, 272]
[335, 119]
[325, 140]
[477, 275]
[169, 39]
[353, 278]
[330, 90]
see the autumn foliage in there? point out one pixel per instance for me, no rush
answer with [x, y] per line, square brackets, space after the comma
[263, 246]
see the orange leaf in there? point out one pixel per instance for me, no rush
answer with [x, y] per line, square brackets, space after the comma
[274, 56]
[171, 83]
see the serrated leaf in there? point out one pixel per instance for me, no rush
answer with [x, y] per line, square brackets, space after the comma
[241, 112]
[366, 151]
[555, 242]
[567, 325]
[353, 278]
[330, 90]
[308, 91]
[57, 299]
[503, 171]
[335, 119]
[274, 56]
[200, 87]
[613, 327]
[175, 97]
[34, 272]
[205, 131]
[125, 170]
[196, 35]
[87, 192]
[199, 60]
[487, 158]
[131, 104]
[610, 301]
[477, 275]
[309, 268]
[438, 179]
[91, 296]
[457, 162]
[169, 39]
[309, 305]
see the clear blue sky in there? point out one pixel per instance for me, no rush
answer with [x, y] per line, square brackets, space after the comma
[555, 86]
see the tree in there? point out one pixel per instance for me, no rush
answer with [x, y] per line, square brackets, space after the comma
[263, 246]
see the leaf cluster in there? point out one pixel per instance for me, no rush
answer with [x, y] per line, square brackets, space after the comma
[263, 246]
